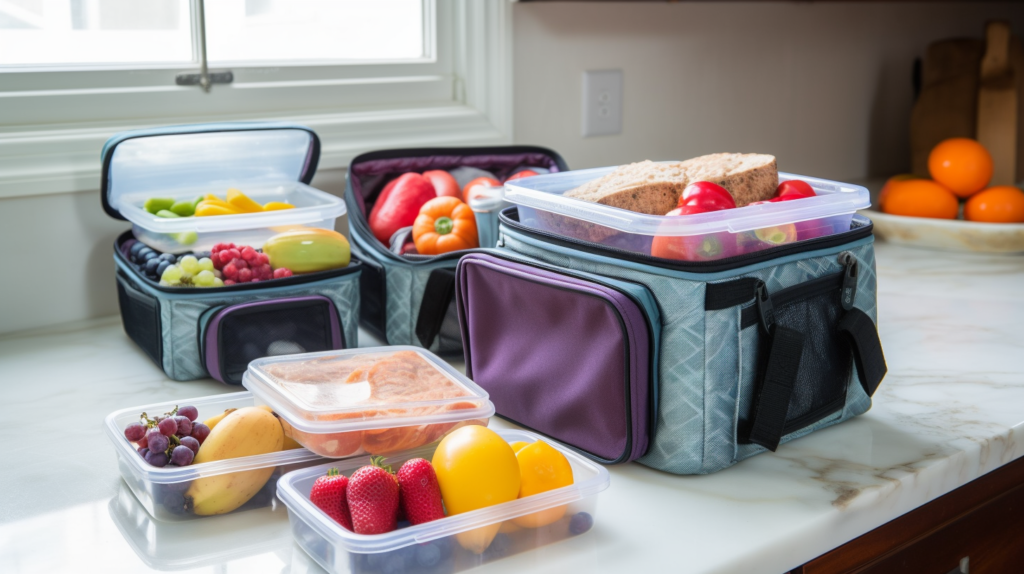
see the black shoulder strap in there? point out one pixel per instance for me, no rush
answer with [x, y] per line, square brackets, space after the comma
[436, 298]
[772, 401]
[867, 348]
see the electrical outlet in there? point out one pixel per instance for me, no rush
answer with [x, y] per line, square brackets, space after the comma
[602, 103]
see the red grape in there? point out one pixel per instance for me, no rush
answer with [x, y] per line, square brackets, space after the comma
[184, 426]
[142, 441]
[200, 432]
[240, 263]
[156, 459]
[230, 271]
[244, 275]
[248, 253]
[217, 248]
[264, 258]
[135, 431]
[182, 455]
[232, 253]
[157, 441]
[189, 411]
[167, 427]
[143, 451]
[191, 442]
[229, 282]
[254, 280]
[282, 272]
[265, 271]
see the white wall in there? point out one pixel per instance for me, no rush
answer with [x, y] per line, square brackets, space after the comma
[826, 87]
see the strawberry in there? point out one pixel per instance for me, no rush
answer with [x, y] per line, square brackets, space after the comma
[420, 494]
[373, 498]
[329, 495]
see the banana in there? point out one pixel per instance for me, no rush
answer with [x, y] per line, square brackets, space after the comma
[245, 432]
[289, 442]
[212, 421]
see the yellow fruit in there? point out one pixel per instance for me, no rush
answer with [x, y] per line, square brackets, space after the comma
[289, 442]
[212, 197]
[276, 206]
[475, 469]
[518, 445]
[243, 202]
[308, 250]
[247, 431]
[212, 421]
[542, 468]
[207, 208]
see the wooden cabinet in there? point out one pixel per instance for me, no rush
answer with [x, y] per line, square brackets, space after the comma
[979, 526]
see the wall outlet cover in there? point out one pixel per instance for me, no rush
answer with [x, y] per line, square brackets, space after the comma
[602, 102]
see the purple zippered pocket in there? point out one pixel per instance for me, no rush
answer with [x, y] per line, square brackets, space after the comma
[235, 335]
[559, 353]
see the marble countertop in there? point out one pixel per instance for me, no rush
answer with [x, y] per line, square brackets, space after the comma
[950, 410]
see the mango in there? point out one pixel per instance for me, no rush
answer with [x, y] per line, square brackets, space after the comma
[243, 202]
[276, 206]
[308, 250]
[156, 204]
[207, 208]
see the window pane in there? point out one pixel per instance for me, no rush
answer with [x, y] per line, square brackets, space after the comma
[47, 32]
[311, 30]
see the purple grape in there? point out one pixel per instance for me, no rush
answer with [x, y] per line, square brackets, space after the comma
[156, 440]
[184, 426]
[191, 443]
[143, 451]
[200, 432]
[157, 459]
[580, 523]
[182, 455]
[168, 426]
[189, 411]
[134, 432]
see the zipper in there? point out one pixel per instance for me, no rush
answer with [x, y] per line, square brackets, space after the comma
[727, 264]
[850, 269]
[628, 399]
[354, 266]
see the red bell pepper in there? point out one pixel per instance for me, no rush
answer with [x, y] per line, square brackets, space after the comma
[398, 205]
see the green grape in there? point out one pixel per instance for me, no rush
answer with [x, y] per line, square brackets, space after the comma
[189, 264]
[206, 264]
[218, 282]
[172, 274]
[204, 278]
[185, 237]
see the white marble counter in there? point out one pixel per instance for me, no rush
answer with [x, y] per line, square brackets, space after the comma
[950, 410]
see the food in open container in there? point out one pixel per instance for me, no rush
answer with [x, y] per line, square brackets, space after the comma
[639, 207]
[377, 400]
[445, 544]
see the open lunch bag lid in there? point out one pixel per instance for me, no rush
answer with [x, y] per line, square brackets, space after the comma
[268, 159]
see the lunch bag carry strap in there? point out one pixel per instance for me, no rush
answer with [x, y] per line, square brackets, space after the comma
[867, 348]
[437, 297]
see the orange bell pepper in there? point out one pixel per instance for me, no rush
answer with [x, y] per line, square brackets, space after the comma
[444, 224]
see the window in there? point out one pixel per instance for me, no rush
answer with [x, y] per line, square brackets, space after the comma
[365, 74]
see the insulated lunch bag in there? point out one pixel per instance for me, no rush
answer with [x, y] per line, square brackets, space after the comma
[410, 299]
[195, 332]
[687, 367]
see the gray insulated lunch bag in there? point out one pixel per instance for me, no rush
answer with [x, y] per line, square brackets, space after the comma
[409, 299]
[687, 367]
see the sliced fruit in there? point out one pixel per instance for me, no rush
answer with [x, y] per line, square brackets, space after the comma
[243, 202]
[277, 206]
[518, 445]
[207, 208]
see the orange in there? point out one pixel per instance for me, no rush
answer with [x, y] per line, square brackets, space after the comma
[962, 165]
[921, 198]
[999, 204]
[892, 182]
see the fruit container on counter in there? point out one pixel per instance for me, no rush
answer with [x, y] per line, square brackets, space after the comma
[268, 162]
[378, 400]
[438, 546]
[697, 237]
[167, 493]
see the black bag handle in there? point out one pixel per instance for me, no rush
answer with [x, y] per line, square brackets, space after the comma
[785, 347]
[437, 297]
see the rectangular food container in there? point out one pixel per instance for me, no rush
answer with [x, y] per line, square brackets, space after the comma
[333, 417]
[161, 491]
[266, 161]
[435, 546]
[698, 237]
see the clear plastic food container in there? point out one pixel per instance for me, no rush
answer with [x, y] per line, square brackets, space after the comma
[162, 491]
[373, 400]
[265, 161]
[434, 546]
[698, 237]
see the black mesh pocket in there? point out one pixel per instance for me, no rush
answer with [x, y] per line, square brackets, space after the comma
[238, 334]
[140, 315]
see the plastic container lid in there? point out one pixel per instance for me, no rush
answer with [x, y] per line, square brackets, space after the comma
[546, 192]
[330, 392]
[268, 161]
[294, 487]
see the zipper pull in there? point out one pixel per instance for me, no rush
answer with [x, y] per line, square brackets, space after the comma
[765, 309]
[849, 292]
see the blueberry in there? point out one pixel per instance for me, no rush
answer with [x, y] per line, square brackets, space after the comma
[428, 555]
[499, 547]
[174, 501]
[160, 268]
[147, 255]
[581, 523]
[152, 264]
[168, 257]
[133, 251]
[201, 254]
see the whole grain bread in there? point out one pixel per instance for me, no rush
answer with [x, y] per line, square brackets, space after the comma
[654, 188]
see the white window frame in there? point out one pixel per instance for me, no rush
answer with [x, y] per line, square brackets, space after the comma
[53, 122]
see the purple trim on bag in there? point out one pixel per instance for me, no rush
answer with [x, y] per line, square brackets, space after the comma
[550, 349]
[498, 164]
[212, 337]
